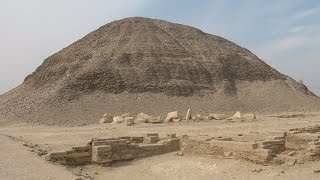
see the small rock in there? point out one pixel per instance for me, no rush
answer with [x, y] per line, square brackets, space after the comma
[180, 153]
[316, 171]
[257, 170]
[228, 153]
[291, 153]
[291, 161]
[79, 178]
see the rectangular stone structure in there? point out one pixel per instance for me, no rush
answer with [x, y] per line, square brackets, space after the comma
[233, 145]
[101, 154]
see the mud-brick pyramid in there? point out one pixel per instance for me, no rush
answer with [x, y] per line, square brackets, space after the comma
[140, 64]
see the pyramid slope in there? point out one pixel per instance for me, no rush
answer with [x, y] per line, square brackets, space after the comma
[138, 63]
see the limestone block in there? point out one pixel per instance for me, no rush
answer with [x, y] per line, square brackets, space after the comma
[314, 149]
[136, 139]
[152, 134]
[277, 133]
[263, 152]
[274, 137]
[101, 154]
[219, 116]
[176, 120]
[118, 119]
[81, 148]
[112, 142]
[151, 140]
[308, 136]
[107, 118]
[248, 116]
[173, 115]
[143, 118]
[129, 121]
[126, 115]
[272, 142]
[155, 120]
[233, 145]
[170, 136]
[60, 154]
[237, 115]
[314, 143]
[78, 155]
[189, 115]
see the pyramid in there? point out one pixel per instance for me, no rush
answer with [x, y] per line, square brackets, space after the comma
[140, 64]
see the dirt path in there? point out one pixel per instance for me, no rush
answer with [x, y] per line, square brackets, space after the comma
[17, 163]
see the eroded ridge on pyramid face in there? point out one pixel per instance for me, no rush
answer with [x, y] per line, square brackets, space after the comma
[147, 55]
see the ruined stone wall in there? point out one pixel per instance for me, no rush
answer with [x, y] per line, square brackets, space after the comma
[105, 151]
[259, 151]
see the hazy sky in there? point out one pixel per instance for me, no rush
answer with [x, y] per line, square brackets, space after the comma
[286, 33]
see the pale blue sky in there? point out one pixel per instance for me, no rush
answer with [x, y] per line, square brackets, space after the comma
[286, 33]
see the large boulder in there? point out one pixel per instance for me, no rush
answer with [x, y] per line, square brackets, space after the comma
[143, 118]
[118, 119]
[173, 116]
[107, 118]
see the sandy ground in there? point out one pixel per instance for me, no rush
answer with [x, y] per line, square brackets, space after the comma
[17, 162]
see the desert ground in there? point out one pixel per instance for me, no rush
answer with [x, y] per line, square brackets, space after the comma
[24, 148]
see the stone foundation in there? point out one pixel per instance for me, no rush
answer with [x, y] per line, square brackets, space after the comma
[106, 151]
[249, 147]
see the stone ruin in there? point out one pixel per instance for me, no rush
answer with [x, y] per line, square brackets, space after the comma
[254, 147]
[106, 151]
[276, 147]
[307, 140]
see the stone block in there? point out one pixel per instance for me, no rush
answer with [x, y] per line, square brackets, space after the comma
[155, 120]
[314, 149]
[233, 145]
[170, 136]
[78, 155]
[219, 116]
[152, 134]
[275, 137]
[136, 139]
[263, 152]
[189, 114]
[308, 136]
[176, 120]
[273, 142]
[101, 154]
[81, 148]
[151, 140]
[129, 121]
[314, 143]
[60, 154]
[112, 142]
